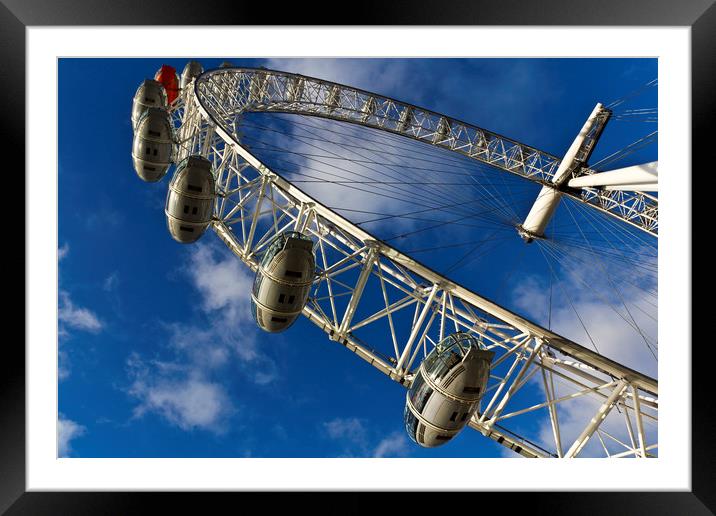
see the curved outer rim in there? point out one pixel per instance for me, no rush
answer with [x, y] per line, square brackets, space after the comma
[574, 193]
[554, 340]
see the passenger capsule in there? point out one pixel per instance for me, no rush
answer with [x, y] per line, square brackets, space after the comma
[447, 389]
[283, 281]
[167, 75]
[192, 70]
[149, 94]
[153, 145]
[190, 199]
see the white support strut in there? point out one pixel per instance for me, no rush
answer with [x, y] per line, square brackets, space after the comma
[416, 327]
[644, 178]
[601, 414]
[548, 198]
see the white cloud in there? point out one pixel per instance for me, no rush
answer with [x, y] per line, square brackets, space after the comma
[77, 317]
[204, 347]
[350, 429]
[592, 295]
[63, 251]
[67, 430]
[354, 432]
[188, 404]
[224, 285]
[181, 397]
[184, 389]
[111, 282]
[601, 309]
[263, 370]
[104, 217]
[223, 281]
[63, 365]
[394, 445]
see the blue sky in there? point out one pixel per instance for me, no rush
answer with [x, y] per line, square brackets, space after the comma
[158, 356]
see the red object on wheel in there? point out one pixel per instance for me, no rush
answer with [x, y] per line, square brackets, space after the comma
[167, 75]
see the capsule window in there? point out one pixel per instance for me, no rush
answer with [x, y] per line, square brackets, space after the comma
[149, 151]
[293, 274]
[411, 423]
[155, 152]
[290, 299]
[425, 399]
[146, 167]
[154, 133]
[278, 319]
[464, 417]
[421, 396]
[421, 433]
[257, 284]
[454, 416]
[187, 229]
[471, 390]
[442, 437]
[281, 298]
[193, 210]
[194, 188]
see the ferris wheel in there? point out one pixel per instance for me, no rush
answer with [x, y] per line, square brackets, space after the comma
[465, 360]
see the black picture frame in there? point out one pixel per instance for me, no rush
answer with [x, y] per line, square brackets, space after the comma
[16, 15]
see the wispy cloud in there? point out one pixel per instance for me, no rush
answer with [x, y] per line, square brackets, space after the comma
[394, 445]
[348, 429]
[104, 218]
[224, 287]
[614, 336]
[181, 396]
[615, 313]
[63, 365]
[187, 387]
[63, 251]
[67, 430]
[359, 439]
[77, 317]
[111, 282]
[71, 317]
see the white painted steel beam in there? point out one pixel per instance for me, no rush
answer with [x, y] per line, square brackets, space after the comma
[416, 328]
[548, 198]
[358, 291]
[644, 178]
[597, 420]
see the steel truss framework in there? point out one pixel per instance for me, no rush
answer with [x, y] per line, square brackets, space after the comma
[227, 92]
[617, 405]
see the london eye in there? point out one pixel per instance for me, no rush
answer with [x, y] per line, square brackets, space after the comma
[282, 167]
